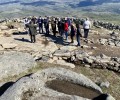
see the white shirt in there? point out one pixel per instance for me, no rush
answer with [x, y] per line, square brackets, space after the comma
[26, 21]
[87, 24]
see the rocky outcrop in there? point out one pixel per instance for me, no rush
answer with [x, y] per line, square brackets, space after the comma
[15, 63]
[34, 86]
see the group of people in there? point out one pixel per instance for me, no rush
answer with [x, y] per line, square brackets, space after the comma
[64, 26]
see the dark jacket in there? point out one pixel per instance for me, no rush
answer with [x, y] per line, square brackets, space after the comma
[32, 29]
[53, 24]
[73, 30]
[78, 30]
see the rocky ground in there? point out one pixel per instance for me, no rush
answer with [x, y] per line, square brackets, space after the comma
[98, 58]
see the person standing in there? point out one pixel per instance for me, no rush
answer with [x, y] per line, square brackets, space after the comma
[40, 24]
[73, 32]
[86, 27]
[46, 25]
[78, 35]
[59, 25]
[62, 28]
[32, 31]
[34, 20]
[53, 24]
[26, 22]
[66, 29]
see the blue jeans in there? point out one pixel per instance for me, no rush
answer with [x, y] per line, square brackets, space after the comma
[66, 35]
[78, 39]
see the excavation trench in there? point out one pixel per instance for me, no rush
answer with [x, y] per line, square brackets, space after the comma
[72, 89]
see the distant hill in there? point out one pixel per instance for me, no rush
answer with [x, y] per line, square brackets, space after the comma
[14, 8]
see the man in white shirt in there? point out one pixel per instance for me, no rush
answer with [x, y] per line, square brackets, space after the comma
[86, 27]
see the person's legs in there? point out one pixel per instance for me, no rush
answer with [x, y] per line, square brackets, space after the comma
[62, 32]
[86, 31]
[66, 35]
[72, 39]
[78, 40]
[42, 29]
[34, 38]
[39, 30]
[31, 38]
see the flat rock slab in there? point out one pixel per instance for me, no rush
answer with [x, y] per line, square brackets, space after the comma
[9, 46]
[34, 87]
[64, 63]
[68, 48]
[14, 63]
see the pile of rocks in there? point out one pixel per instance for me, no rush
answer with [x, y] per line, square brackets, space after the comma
[114, 40]
[69, 57]
[106, 25]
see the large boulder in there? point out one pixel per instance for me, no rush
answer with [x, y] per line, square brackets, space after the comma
[34, 87]
[15, 63]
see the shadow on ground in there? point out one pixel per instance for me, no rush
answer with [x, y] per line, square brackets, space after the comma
[23, 40]
[5, 87]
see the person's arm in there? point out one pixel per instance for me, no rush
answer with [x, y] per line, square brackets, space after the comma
[90, 24]
[83, 25]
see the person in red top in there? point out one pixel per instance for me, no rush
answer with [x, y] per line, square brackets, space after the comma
[66, 29]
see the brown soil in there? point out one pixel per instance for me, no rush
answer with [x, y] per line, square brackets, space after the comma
[72, 89]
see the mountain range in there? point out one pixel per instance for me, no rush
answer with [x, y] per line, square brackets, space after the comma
[14, 8]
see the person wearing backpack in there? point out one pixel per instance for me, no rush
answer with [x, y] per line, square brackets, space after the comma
[78, 34]
[73, 32]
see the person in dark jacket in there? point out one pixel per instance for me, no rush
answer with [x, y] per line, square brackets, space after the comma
[40, 24]
[73, 32]
[62, 28]
[34, 20]
[46, 25]
[59, 24]
[78, 35]
[32, 31]
[53, 24]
